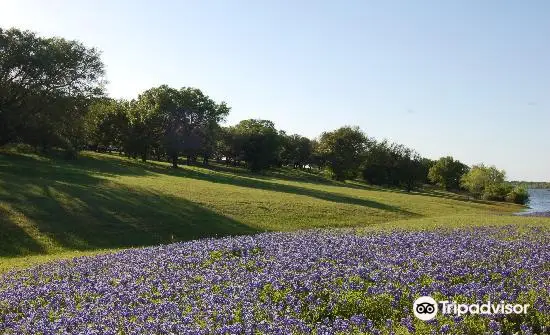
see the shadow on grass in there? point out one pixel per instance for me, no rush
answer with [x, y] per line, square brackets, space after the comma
[113, 164]
[231, 176]
[429, 191]
[78, 211]
[14, 239]
[68, 170]
[252, 182]
[284, 173]
[304, 176]
[455, 196]
[240, 176]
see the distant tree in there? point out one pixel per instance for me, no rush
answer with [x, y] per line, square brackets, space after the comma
[425, 166]
[447, 172]
[531, 184]
[107, 124]
[342, 149]
[46, 86]
[481, 178]
[296, 150]
[377, 163]
[209, 137]
[182, 121]
[318, 158]
[489, 183]
[408, 170]
[392, 164]
[228, 145]
[259, 142]
[201, 122]
[143, 131]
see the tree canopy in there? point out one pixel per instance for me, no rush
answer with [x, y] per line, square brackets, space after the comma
[481, 178]
[296, 150]
[258, 142]
[447, 172]
[46, 86]
[342, 149]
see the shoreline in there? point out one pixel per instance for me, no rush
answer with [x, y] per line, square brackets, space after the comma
[545, 214]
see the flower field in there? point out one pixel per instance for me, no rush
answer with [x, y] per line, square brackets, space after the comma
[307, 282]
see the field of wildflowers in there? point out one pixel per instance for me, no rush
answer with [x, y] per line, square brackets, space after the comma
[307, 282]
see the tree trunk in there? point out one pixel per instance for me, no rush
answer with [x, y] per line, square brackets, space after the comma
[144, 157]
[175, 161]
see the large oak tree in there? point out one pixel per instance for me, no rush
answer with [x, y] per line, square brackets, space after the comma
[46, 86]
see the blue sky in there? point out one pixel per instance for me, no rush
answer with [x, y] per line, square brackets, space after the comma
[469, 79]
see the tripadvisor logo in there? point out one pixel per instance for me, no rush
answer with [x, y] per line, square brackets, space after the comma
[426, 308]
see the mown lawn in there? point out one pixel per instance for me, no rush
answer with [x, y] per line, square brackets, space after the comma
[51, 208]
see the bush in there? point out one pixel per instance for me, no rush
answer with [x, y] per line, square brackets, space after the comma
[485, 181]
[518, 195]
[496, 192]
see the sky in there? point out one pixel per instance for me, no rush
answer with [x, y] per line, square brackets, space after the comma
[470, 79]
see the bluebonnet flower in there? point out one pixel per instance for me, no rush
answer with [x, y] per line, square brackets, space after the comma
[322, 282]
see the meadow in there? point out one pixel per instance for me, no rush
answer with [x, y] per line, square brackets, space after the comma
[51, 208]
[287, 271]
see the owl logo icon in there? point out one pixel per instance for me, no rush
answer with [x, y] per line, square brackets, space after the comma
[425, 308]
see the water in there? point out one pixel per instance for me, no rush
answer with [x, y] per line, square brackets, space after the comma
[539, 201]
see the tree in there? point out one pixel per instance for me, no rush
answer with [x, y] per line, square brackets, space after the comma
[181, 121]
[202, 122]
[408, 170]
[258, 141]
[425, 166]
[296, 150]
[228, 145]
[342, 149]
[107, 124]
[143, 131]
[377, 163]
[317, 157]
[46, 86]
[447, 172]
[481, 178]
[489, 183]
[392, 164]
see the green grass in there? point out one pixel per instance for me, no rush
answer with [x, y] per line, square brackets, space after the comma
[51, 208]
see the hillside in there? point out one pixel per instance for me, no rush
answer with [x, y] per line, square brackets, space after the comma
[52, 208]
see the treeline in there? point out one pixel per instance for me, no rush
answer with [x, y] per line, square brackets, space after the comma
[531, 184]
[165, 123]
[52, 95]
[162, 122]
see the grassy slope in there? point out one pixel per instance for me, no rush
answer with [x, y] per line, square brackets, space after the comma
[50, 208]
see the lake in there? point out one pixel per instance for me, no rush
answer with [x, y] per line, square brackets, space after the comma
[539, 201]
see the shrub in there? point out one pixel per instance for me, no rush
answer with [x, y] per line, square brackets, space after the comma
[497, 192]
[484, 181]
[518, 195]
